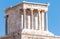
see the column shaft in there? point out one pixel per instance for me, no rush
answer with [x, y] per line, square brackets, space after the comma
[28, 22]
[46, 22]
[24, 18]
[31, 19]
[42, 21]
[36, 22]
[39, 27]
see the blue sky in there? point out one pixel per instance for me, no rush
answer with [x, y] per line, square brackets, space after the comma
[53, 14]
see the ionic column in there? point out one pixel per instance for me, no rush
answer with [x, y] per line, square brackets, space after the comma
[46, 22]
[31, 19]
[24, 18]
[42, 26]
[39, 22]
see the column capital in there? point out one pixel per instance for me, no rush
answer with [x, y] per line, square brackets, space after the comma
[46, 11]
[42, 11]
[24, 8]
[6, 16]
[32, 9]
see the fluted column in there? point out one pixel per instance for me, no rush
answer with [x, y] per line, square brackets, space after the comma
[42, 26]
[24, 18]
[46, 22]
[39, 22]
[31, 19]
